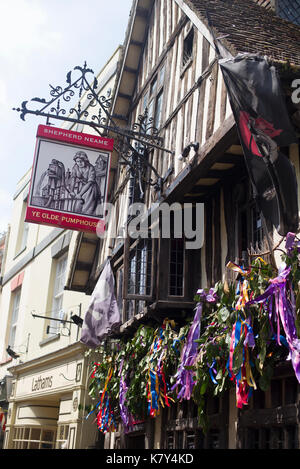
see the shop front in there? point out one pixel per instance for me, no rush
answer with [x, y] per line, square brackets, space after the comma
[46, 408]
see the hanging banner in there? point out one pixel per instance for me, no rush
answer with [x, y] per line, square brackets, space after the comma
[69, 180]
[263, 125]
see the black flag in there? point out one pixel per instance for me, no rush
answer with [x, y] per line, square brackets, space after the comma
[263, 125]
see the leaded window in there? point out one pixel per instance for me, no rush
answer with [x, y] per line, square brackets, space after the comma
[188, 44]
[138, 281]
[289, 10]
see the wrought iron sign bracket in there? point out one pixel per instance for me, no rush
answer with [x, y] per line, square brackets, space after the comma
[133, 145]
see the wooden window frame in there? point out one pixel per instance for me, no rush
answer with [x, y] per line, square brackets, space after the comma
[188, 287]
[130, 246]
[14, 317]
[281, 11]
[186, 61]
[55, 313]
[152, 95]
[185, 421]
[22, 438]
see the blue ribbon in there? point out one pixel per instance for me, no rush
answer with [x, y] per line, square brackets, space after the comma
[153, 390]
[211, 369]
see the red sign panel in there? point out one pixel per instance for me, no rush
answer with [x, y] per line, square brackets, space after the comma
[69, 179]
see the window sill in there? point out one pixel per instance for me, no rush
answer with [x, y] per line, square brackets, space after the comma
[49, 339]
[20, 252]
[185, 67]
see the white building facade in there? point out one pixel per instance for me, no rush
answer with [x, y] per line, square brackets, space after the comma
[43, 367]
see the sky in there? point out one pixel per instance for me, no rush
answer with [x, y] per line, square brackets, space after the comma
[40, 42]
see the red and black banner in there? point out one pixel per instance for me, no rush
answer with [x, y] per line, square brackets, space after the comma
[263, 125]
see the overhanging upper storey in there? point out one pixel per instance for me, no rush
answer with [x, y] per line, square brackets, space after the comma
[170, 68]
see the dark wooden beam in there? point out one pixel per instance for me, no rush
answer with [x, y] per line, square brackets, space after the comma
[210, 153]
[90, 240]
[84, 266]
[223, 173]
[125, 96]
[120, 117]
[142, 12]
[232, 159]
[202, 189]
[136, 43]
[130, 70]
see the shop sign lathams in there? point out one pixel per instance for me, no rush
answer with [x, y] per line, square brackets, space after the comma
[51, 380]
[40, 383]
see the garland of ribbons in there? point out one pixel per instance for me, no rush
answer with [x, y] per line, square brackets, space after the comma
[105, 417]
[157, 388]
[277, 304]
[280, 299]
[185, 376]
[243, 378]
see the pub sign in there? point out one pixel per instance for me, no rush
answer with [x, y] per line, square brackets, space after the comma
[69, 180]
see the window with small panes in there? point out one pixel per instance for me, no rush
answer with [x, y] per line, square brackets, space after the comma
[188, 45]
[289, 10]
[152, 100]
[138, 278]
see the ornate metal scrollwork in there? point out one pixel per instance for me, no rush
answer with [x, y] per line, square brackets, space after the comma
[133, 144]
[79, 89]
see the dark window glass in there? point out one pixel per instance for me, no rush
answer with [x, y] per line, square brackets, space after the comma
[276, 393]
[188, 47]
[157, 117]
[190, 440]
[278, 438]
[253, 438]
[292, 437]
[170, 441]
[179, 440]
[289, 10]
[258, 399]
[213, 405]
[291, 388]
[266, 438]
[139, 275]
[214, 439]
[176, 267]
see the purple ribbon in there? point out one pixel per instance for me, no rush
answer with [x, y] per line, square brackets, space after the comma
[249, 340]
[185, 377]
[124, 413]
[210, 297]
[291, 244]
[285, 310]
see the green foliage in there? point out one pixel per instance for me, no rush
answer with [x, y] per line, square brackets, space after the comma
[138, 355]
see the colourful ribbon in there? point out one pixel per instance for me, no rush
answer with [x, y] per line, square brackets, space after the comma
[105, 417]
[284, 310]
[157, 387]
[96, 365]
[185, 377]
[126, 417]
[243, 378]
[291, 244]
[237, 268]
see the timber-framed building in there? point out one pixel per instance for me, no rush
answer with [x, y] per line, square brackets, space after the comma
[170, 67]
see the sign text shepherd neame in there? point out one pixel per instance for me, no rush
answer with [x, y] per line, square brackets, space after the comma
[69, 179]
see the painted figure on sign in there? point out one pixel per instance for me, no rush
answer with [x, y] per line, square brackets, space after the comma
[83, 185]
[55, 188]
[101, 170]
